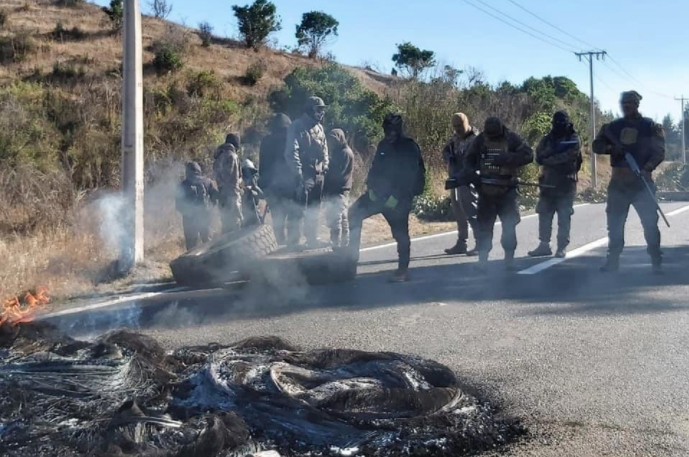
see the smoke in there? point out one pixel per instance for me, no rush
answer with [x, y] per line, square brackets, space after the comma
[112, 220]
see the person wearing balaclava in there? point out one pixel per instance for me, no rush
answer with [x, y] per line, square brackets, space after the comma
[306, 153]
[463, 198]
[338, 183]
[644, 140]
[195, 195]
[274, 179]
[228, 175]
[559, 155]
[496, 155]
[396, 176]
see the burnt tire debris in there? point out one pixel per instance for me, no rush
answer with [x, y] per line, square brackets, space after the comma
[213, 262]
[122, 394]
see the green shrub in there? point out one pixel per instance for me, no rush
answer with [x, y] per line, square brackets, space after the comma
[169, 49]
[167, 59]
[673, 178]
[67, 70]
[16, 48]
[256, 22]
[115, 13]
[63, 34]
[428, 207]
[69, 3]
[206, 34]
[204, 84]
[3, 18]
[254, 73]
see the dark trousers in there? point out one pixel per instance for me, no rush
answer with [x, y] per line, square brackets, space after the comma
[490, 207]
[279, 209]
[463, 201]
[397, 218]
[196, 227]
[307, 210]
[548, 206]
[620, 197]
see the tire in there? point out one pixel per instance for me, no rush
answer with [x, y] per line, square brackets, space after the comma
[316, 266]
[218, 260]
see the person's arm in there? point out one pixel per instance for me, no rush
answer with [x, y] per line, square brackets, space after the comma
[326, 154]
[543, 150]
[292, 151]
[213, 193]
[348, 168]
[448, 152]
[520, 153]
[473, 155]
[566, 156]
[657, 148]
[602, 144]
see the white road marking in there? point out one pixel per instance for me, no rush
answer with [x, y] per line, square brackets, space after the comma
[582, 250]
[438, 235]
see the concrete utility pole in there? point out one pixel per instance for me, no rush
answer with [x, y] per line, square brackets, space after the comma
[589, 55]
[132, 243]
[684, 133]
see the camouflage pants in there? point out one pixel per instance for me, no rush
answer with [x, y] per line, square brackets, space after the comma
[230, 211]
[620, 197]
[548, 206]
[463, 201]
[196, 226]
[490, 207]
[307, 210]
[336, 215]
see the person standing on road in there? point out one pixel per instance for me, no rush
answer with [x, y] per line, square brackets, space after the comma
[464, 197]
[274, 179]
[194, 198]
[397, 175]
[496, 155]
[338, 183]
[559, 155]
[228, 175]
[644, 140]
[306, 153]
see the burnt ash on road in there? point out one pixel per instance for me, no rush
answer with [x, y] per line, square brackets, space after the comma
[593, 364]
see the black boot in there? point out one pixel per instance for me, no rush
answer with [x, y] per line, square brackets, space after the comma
[542, 250]
[561, 253]
[509, 261]
[612, 264]
[657, 265]
[457, 249]
[401, 275]
[482, 264]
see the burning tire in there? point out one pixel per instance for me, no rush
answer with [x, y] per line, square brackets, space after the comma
[315, 266]
[215, 261]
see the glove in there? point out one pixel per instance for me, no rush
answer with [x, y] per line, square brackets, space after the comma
[617, 151]
[391, 202]
[372, 195]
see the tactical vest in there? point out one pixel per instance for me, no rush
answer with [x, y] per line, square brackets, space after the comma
[492, 149]
[636, 137]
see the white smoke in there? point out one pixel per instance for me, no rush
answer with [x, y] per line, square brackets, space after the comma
[111, 217]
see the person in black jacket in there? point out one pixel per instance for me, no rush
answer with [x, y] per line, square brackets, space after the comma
[397, 175]
[274, 179]
[338, 183]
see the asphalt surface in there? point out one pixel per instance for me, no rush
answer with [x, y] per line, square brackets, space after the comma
[593, 364]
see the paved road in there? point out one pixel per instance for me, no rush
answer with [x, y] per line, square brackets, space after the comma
[594, 364]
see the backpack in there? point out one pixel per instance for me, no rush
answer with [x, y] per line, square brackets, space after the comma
[196, 193]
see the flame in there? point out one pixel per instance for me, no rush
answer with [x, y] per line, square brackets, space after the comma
[16, 311]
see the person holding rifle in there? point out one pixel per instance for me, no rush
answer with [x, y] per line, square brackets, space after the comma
[636, 146]
[559, 155]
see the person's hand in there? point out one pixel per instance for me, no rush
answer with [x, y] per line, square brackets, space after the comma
[617, 150]
[391, 202]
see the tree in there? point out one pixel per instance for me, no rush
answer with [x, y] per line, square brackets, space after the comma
[256, 22]
[116, 13]
[161, 9]
[205, 33]
[412, 60]
[315, 31]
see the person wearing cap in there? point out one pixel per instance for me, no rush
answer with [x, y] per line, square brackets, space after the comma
[338, 183]
[306, 153]
[559, 155]
[273, 180]
[644, 140]
[496, 155]
[228, 175]
[396, 176]
[463, 198]
[195, 195]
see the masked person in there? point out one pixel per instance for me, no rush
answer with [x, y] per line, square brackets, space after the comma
[559, 155]
[251, 195]
[194, 197]
[338, 183]
[228, 175]
[306, 153]
[397, 175]
[463, 198]
[274, 178]
[644, 140]
[496, 155]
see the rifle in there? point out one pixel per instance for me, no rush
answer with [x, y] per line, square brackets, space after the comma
[514, 182]
[562, 146]
[635, 169]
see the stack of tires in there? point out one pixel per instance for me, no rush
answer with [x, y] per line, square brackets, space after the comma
[253, 253]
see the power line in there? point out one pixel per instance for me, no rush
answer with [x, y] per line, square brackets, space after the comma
[524, 24]
[552, 25]
[515, 27]
[632, 78]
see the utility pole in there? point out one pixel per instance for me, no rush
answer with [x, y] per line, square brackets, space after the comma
[132, 242]
[590, 55]
[684, 133]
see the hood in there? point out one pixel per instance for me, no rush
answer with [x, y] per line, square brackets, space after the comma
[227, 147]
[192, 170]
[561, 124]
[462, 121]
[279, 123]
[233, 139]
[394, 122]
[493, 127]
[337, 137]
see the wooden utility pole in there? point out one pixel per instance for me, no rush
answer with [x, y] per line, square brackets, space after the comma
[590, 55]
[132, 243]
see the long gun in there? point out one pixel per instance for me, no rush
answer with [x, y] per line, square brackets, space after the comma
[634, 167]
[454, 183]
[562, 146]
[637, 171]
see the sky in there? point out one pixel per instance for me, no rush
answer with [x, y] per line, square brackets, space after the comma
[648, 42]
